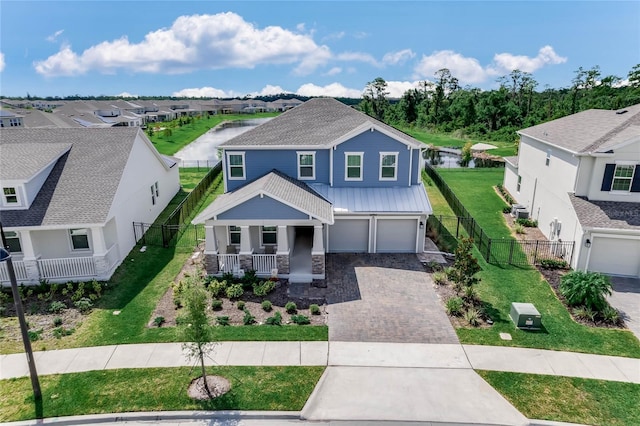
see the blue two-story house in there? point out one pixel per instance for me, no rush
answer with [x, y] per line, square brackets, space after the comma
[322, 177]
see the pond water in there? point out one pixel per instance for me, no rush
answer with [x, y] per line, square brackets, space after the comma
[205, 147]
[445, 159]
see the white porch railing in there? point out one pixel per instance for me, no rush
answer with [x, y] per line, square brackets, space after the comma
[18, 267]
[67, 267]
[264, 263]
[228, 262]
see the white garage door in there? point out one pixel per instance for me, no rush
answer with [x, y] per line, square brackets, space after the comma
[617, 256]
[349, 235]
[396, 235]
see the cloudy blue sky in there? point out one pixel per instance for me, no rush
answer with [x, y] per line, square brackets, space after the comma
[198, 48]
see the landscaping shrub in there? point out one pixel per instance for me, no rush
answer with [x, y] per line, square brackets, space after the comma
[506, 209]
[587, 289]
[465, 266]
[228, 277]
[248, 319]
[508, 198]
[314, 309]
[78, 293]
[34, 335]
[249, 279]
[60, 332]
[158, 321]
[454, 306]
[470, 294]
[263, 288]
[57, 322]
[217, 287]
[276, 319]
[527, 223]
[554, 264]
[216, 304]
[234, 291]
[300, 319]
[611, 315]
[439, 278]
[449, 272]
[240, 305]
[267, 306]
[83, 305]
[56, 307]
[291, 308]
[224, 320]
[180, 289]
[519, 229]
[472, 316]
[585, 313]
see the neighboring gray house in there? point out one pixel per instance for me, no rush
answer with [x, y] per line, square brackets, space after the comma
[579, 176]
[321, 177]
[70, 196]
[10, 119]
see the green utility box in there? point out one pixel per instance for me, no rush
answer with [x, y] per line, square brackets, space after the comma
[526, 316]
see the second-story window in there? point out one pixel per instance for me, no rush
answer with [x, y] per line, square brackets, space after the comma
[353, 165]
[306, 165]
[388, 165]
[235, 165]
[10, 195]
[622, 177]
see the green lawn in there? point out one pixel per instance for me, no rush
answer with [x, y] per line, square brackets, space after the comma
[183, 135]
[503, 149]
[191, 176]
[502, 285]
[157, 389]
[568, 399]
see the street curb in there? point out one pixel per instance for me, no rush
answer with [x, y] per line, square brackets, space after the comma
[161, 416]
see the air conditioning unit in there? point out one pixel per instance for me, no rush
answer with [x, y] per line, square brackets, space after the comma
[522, 214]
[516, 207]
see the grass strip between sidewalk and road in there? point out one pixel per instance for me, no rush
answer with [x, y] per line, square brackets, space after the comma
[569, 399]
[156, 389]
[503, 284]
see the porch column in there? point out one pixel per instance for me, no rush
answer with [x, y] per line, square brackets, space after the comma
[317, 252]
[99, 252]
[211, 250]
[282, 254]
[29, 256]
[246, 253]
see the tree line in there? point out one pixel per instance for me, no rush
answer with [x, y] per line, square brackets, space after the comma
[442, 105]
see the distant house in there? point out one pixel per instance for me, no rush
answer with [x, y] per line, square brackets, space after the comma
[70, 196]
[321, 177]
[580, 177]
[10, 119]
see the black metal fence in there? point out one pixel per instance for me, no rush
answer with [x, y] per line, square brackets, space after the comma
[494, 250]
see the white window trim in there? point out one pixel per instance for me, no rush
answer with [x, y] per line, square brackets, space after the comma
[153, 196]
[630, 179]
[73, 249]
[346, 166]
[313, 166]
[519, 184]
[395, 169]
[239, 231]
[16, 236]
[262, 243]
[5, 202]
[244, 165]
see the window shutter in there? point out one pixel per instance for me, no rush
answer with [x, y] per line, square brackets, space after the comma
[608, 177]
[635, 185]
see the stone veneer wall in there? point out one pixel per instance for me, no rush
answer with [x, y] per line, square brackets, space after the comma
[246, 262]
[211, 264]
[317, 264]
[282, 262]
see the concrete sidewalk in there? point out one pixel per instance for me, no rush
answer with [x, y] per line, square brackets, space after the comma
[345, 354]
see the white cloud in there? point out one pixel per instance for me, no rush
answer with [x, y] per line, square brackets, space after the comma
[205, 92]
[53, 37]
[334, 36]
[270, 90]
[334, 71]
[126, 95]
[333, 89]
[399, 57]
[358, 57]
[2, 63]
[223, 40]
[397, 88]
[506, 62]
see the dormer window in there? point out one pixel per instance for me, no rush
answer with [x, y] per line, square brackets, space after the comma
[306, 165]
[10, 195]
[388, 165]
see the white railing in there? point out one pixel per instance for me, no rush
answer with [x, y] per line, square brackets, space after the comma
[264, 263]
[228, 262]
[18, 267]
[67, 267]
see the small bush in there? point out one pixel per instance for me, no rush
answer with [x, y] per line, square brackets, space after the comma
[248, 318]
[587, 289]
[234, 291]
[249, 279]
[217, 287]
[519, 229]
[314, 309]
[506, 209]
[276, 319]
[472, 316]
[291, 308]
[56, 307]
[611, 315]
[83, 305]
[34, 335]
[454, 306]
[449, 271]
[158, 321]
[267, 306]
[240, 305]
[585, 313]
[57, 322]
[216, 304]
[470, 294]
[60, 332]
[439, 278]
[553, 264]
[264, 288]
[300, 319]
[228, 277]
[527, 223]
[79, 293]
[224, 321]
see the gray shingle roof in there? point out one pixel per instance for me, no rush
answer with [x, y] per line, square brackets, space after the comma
[606, 214]
[317, 122]
[21, 161]
[588, 131]
[278, 186]
[81, 187]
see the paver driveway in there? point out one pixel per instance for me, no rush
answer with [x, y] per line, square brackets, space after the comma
[384, 298]
[626, 299]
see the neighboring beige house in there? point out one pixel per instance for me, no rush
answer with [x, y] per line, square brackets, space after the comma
[579, 176]
[10, 119]
[70, 196]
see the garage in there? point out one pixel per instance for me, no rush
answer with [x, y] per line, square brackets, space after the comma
[396, 235]
[616, 256]
[349, 235]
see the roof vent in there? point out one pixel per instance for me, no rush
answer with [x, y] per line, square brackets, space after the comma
[621, 112]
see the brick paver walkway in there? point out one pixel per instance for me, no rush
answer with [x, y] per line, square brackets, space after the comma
[384, 298]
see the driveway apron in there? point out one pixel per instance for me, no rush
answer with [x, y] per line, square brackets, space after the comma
[384, 298]
[626, 299]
